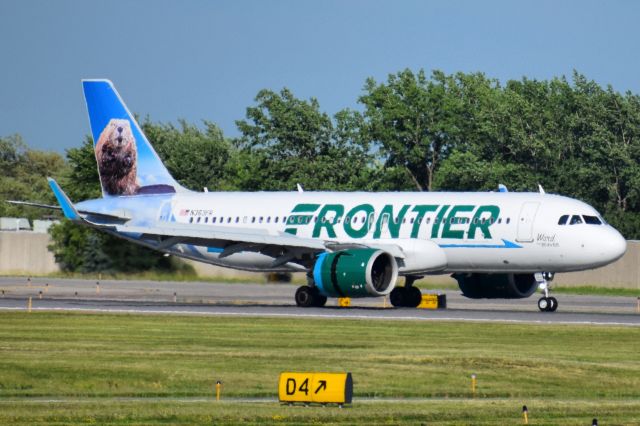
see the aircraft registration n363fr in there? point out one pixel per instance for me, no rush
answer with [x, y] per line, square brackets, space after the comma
[355, 244]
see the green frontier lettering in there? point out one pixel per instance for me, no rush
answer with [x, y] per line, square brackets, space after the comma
[447, 232]
[295, 220]
[392, 224]
[324, 222]
[443, 226]
[421, 209]
[482, 221]
[349, 221]
[436, 222]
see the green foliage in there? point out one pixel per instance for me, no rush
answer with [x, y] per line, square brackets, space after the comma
[195, 158]
[23, 175]
[82, 181]
[286, 141]
[413, 120]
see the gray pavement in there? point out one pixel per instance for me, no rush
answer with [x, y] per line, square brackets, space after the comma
[276, 300]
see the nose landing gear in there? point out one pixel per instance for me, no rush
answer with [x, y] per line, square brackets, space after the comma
[546, 303]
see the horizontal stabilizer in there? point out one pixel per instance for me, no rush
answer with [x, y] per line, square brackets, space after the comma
[66, 205]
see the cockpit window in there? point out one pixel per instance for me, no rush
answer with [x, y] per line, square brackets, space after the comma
[563, 219]
[575, 220]
[592, 220]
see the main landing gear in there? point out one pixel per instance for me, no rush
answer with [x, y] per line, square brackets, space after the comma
[407, 296]
[307, 297]
[546, 303]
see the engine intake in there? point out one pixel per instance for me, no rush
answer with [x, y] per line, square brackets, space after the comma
[355, 273]
[496, 286]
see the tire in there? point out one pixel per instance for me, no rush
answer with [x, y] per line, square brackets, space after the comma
[543, 304]
[553, 305]
[397, 297]
[414, 297]
[304, 297]
[319, 300]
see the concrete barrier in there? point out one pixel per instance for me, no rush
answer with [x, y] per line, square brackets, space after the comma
[26, 253]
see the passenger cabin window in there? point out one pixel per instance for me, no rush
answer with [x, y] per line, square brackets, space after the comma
[563, 219]
[575, 220]
[592, 220]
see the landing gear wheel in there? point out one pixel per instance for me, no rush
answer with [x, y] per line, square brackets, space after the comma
[543, 304]
[414, 297]
[553, 304]
[397, 297]
[304, 296]
[319, 300]
[405, 297]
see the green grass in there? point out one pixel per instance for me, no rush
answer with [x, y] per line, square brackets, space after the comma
[598, 291]
[565, 374]
[431, 412]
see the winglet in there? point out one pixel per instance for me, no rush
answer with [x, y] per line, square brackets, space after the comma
[68, 209]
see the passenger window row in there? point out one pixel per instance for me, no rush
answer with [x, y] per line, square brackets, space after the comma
[578, 219]
[354, 220]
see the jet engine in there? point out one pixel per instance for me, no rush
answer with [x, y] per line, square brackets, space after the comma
[496, 286]
[355, 273]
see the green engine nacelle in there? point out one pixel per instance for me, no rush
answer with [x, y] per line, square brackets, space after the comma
[355, 273]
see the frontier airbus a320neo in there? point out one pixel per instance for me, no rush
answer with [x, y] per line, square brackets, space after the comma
[356, 244]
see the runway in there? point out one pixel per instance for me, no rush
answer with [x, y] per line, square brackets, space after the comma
[276, 300]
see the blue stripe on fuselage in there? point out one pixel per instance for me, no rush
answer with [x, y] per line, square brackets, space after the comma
[507, 244]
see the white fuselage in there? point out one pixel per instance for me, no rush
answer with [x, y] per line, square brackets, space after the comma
[477, 232]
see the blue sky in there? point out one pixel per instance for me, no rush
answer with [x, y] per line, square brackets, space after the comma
[206, 60]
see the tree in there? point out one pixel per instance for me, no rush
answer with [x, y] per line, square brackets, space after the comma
[23, 177]
[286, 141]
[195, 158]
[414, 122]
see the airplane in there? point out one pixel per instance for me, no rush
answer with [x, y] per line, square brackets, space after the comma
[350, 244]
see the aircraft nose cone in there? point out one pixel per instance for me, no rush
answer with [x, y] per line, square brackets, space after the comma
[613, 246]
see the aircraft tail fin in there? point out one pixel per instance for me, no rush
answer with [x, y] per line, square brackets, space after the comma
[127, 163]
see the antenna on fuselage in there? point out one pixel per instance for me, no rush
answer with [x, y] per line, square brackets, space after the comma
[541, 189]
[300, 189]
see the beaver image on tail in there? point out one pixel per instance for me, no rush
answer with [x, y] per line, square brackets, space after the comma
[117, 158]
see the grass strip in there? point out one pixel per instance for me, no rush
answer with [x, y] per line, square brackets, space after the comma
[576, 370]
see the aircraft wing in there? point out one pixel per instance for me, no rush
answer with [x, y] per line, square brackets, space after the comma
[219, 237]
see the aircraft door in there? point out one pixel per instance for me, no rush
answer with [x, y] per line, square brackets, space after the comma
[525, 221]
[165, 214]
[384, 226]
